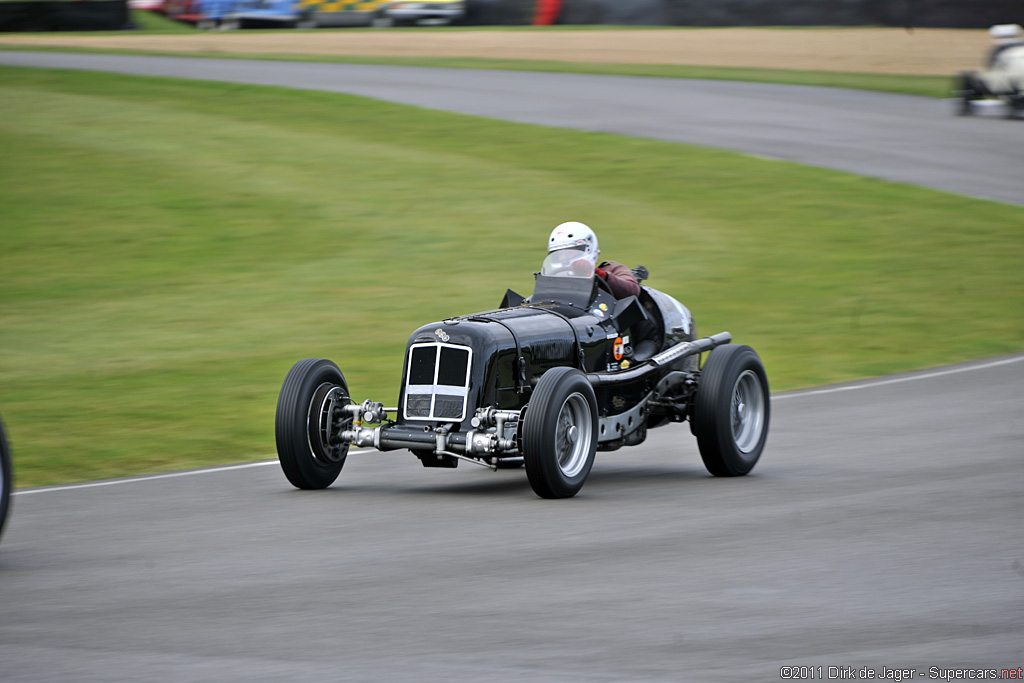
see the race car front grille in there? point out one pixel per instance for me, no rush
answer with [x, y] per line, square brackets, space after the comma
[437, 385]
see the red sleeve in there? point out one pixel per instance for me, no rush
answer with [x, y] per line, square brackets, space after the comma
[620, 280]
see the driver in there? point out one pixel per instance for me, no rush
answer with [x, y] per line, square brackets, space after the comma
[582, 243]
[1005, 37]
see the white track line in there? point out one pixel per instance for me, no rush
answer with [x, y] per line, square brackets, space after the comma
[896, 380]
[776, 397]
[130, 480]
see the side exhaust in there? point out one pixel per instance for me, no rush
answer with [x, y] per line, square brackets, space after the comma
[680, 350]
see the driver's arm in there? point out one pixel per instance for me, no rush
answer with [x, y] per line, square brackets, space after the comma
[620, 279]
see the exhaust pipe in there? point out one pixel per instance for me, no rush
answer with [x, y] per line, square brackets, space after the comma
[674, 353]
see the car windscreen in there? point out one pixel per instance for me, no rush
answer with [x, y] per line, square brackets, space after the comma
[568, 263]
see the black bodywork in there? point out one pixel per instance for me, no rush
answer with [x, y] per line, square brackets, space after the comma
[497, 357]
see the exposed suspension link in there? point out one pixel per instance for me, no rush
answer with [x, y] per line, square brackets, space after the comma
[368, 411]
[491, 442]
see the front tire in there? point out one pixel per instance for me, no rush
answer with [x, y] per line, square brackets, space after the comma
[306, 429]
[1014, 105]
[731, 411]
[560, 433]
[964, 93]
[5, 478]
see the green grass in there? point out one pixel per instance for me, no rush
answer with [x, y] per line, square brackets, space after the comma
[169, 249]
[155, 23]
[926, 86]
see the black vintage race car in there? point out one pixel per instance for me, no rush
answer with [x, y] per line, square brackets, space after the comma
[545, 382]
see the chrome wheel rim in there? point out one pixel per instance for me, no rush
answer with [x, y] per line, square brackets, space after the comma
[574, 433]
[748, 411]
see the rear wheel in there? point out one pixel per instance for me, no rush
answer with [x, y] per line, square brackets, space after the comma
[731, 411]
[560, 433]
[307, 427]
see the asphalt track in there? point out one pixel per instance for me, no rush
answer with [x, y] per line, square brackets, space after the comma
[882, 529]
[894, 137]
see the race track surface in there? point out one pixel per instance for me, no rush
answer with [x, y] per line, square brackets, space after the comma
[881, 529]
[894, 137]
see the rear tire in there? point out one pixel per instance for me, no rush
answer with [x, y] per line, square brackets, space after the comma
[731, 411]
[560, 433]
[306, 435]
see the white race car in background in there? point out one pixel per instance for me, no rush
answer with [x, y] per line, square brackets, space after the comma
[1002, 80]
[430, 12]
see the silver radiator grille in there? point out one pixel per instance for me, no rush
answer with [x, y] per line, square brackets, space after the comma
[437, 383]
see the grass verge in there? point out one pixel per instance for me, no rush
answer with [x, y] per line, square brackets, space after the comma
[169, 248]
[156, 23]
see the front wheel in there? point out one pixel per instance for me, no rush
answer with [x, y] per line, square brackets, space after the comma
[1014, 105]
[5, 478]
[560, 433]
[308, 425]
[964, 94]
[731, 411]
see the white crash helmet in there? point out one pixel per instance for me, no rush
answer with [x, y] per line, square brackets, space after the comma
[573, 235]
[1003, 34]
